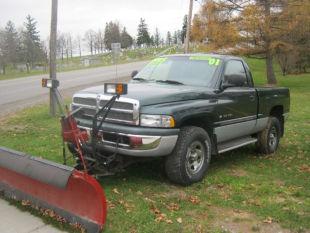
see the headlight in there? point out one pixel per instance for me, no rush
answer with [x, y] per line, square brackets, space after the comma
[161, 121]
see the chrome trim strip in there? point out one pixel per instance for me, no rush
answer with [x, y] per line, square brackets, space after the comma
[94, 107]
[114, 144]
[84, 106]
[236, 120]
[152, 146]
[237, 146]
[164, 148]
[99, 97]
[122, 134]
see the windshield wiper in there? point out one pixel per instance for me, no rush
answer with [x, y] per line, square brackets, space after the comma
[140, 79]
[170, 82]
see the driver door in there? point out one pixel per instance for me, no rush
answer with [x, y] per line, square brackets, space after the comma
[237, 106]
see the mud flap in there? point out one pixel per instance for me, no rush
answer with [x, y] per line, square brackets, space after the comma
[72, 194]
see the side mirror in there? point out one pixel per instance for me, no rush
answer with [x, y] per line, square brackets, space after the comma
[134, 73]
[233, 80]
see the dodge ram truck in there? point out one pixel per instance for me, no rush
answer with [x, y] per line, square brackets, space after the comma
[184, 108]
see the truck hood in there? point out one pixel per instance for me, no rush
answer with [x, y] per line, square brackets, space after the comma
[157, 93]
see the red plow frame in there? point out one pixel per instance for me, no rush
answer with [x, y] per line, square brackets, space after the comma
[71, 194]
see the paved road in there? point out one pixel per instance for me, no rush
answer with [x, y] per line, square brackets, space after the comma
[15, 221]
[18, 93]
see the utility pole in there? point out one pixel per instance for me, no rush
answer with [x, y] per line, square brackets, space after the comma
[188, 27]
[53, 41]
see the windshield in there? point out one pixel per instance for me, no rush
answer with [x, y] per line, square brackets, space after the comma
[187, 70]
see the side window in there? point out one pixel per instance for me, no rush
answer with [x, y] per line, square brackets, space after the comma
[235, 67]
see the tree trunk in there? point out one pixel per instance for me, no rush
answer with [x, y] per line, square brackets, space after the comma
[271, 78]
[28, 67]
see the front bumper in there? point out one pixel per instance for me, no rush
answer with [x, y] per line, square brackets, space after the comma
[135, 141]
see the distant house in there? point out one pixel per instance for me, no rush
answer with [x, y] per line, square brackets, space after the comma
[90, 60]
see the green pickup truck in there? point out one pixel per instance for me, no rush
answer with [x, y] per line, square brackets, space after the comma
[184, 108]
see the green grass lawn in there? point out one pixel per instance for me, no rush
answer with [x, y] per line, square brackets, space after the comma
[242, 191]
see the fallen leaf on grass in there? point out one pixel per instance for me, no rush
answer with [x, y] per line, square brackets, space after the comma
[25, 203]
[159, 216]
[194, 199]
[115, 191]
[169, 221]
[155, 210]
[111, 205]
[304, 168]
[179, 220]
[149, 200]
[268, 220]
[125, 205]
[173, 207]
[139, 193]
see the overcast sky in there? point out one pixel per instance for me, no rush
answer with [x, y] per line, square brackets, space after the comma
[77, 16]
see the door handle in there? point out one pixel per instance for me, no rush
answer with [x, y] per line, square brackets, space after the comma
[252, 98]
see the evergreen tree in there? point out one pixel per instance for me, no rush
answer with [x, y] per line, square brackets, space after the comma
[143, 34]
[10, 43]
[168, 39]
[112, 34]
[126, 39]
[152, 40]
[175, 37]
[184, 28]
[157, 38]
[31, 43]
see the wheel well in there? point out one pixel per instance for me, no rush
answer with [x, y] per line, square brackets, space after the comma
[202, 123]
[277, 111]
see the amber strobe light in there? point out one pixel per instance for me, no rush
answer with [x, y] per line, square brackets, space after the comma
[115, 88]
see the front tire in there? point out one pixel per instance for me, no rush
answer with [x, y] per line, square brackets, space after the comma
[268, 139]
[190, 158]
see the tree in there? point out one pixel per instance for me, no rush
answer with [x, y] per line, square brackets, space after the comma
[112, 34]
[250, 27]
[184, 28]
[31, 43]
[293, 50]
[143, 36]
[99, 44]
[168, 39]
[78, 42]
[11, 46]
[126, 39]
[175, 37]
[90, 40]
[156, 38]
[2, 57]
[70, 45]
[61, 45]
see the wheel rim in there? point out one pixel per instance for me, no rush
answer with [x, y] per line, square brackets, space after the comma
[195, 158]
[273, 138]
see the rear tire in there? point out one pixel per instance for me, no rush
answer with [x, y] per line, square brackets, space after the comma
[190, 158]
[268, 139]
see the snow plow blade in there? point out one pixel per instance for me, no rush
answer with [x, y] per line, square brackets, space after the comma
[71, 194]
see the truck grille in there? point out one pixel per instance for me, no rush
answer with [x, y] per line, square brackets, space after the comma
[124, 110]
